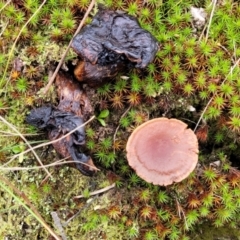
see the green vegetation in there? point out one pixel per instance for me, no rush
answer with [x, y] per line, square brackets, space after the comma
[195, 68]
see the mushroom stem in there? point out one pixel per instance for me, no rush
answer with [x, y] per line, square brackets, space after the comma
[95, 75]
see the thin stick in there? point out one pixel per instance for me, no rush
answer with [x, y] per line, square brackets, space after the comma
[48, 143]
[210, 19]
[26, 141]
[68, 47]
[205, 109]
[98, 191]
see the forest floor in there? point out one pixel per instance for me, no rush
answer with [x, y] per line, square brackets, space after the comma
[194, 77]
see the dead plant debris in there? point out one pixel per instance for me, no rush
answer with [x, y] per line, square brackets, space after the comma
[113, 42]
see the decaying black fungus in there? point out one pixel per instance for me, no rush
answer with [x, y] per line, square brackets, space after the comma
[113, 42]
[112, 34]
[73, 107]
[39, 117]
[58, 122]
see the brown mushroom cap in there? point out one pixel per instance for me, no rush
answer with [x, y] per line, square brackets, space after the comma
[162, 151]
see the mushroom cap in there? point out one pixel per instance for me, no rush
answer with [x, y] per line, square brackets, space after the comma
[162, 151]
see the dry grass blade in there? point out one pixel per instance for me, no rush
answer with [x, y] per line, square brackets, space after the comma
[181, 212]
[8, 2]
[7, 134]
[48, 143]
[68, 47]
[205, 109]
[4, 28]
[57, 163]
[26, 141]
[210, 19]
[98, 191]
[11, 52]
[18, 195]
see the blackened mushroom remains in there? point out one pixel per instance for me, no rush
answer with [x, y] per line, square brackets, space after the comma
[74, 106]
[113, 42]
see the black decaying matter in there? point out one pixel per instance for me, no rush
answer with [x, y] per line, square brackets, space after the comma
[66, 117]
[112, 43]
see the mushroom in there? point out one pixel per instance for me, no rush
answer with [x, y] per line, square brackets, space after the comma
[162, 151]
[112, 43]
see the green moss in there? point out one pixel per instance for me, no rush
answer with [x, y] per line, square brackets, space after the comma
[206, 231]
[188, 70]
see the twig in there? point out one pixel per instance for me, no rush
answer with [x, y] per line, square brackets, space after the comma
[45, 179]
[210, 19]
[48, 143]
[98, 191]
[89, 201]
[205, 109]
[26, 141]
[68, 47]
[18, 195]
